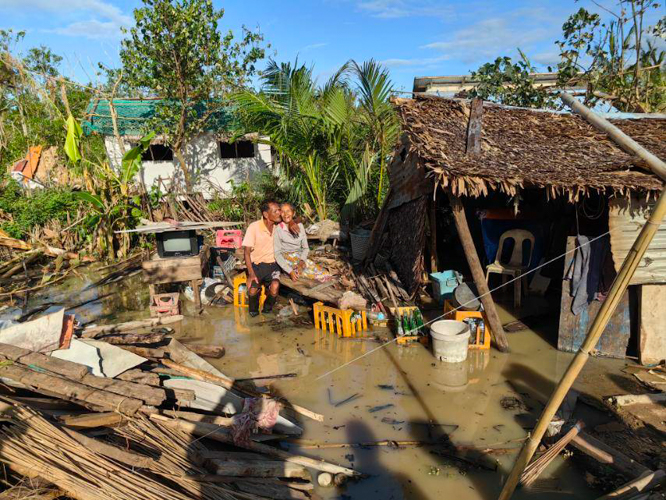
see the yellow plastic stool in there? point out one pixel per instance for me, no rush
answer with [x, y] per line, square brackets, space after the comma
[482, 339]
[240, 299]
[338, 320]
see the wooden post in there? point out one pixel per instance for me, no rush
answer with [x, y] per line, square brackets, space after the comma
[434, 264]
[608, 307]
[197, 296]
[477, 273]
[474, 128]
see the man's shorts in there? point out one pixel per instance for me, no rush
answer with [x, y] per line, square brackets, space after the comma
[266, 273]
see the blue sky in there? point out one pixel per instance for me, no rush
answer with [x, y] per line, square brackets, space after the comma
[412, 37]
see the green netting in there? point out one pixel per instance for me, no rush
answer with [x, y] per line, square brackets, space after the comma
[134, 115]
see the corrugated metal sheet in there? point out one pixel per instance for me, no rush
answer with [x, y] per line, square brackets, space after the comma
[625, 223]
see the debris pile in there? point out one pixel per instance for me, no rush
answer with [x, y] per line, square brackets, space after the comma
[119, 412]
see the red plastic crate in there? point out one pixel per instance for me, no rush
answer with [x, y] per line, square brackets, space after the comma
[164, 304]
[229, 238]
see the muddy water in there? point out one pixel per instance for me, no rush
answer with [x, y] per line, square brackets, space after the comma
[462, 402]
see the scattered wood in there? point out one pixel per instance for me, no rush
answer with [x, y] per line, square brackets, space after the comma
[146, 352]
[268, 377]
[70, 390]
[133, 338]
[26, 357]
[154, 396]
[140, 377]
[325, 479]
[533, 470]
[603, 453]
[307, 444]
[472, 458]
[92, 420]
[638, 399]
[200, 417]
[258, 468]
[644, 483]
[207, 351]
[213, 432]
[90, 332]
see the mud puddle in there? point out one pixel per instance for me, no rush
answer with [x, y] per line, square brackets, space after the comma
[396, 393]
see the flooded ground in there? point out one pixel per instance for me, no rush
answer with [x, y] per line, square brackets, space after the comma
[400, 394]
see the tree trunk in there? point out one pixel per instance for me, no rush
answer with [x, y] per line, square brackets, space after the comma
[183, 167]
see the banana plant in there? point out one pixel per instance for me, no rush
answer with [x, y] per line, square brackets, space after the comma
[113, 206]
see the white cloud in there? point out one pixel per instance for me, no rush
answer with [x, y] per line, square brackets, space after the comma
[313, 46]
[495, 36]
[90, 29]
[96, 18]
[415, 62]
[393, 9]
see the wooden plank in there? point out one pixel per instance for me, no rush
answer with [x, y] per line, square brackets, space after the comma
[604, 454]
[259, 468]
[92, 420]
[91, 332]
[652, 314]
[62, 367]
[175, 269]
[70, 390]
[308, 288]
[573, 329]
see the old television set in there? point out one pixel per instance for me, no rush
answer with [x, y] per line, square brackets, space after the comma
[177, 244]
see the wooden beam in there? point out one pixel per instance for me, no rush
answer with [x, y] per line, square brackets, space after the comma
[477, 273]
[474, 128]
[603, 453]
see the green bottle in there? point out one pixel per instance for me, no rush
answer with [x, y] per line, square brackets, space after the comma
[419, 320]
[398, 321]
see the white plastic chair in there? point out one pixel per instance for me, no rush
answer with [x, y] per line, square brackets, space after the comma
[515, 267]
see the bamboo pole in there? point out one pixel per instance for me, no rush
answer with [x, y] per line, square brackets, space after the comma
[598, 326]
[614, 295]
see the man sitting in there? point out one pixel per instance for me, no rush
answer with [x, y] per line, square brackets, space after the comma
[260, 258]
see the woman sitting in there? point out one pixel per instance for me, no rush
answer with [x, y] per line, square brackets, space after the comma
[291, 248]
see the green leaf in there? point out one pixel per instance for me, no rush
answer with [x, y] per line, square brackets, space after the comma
[93, 199]
[73, 140]
[131, 162]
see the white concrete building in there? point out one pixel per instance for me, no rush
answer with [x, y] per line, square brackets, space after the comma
[213, 162]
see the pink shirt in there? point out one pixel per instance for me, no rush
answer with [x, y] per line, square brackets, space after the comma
[260, 240]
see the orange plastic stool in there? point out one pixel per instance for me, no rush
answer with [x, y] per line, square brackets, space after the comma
[480, 340]
[338, 320]
[240, 299]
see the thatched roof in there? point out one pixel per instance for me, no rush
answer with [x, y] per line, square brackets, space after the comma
[523, 148]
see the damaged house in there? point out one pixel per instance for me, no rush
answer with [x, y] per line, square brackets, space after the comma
[466, 174]
[214, 159]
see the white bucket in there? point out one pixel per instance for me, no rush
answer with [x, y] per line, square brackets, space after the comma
[450, 340]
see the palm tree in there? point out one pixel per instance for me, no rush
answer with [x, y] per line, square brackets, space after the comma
[331, 141]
